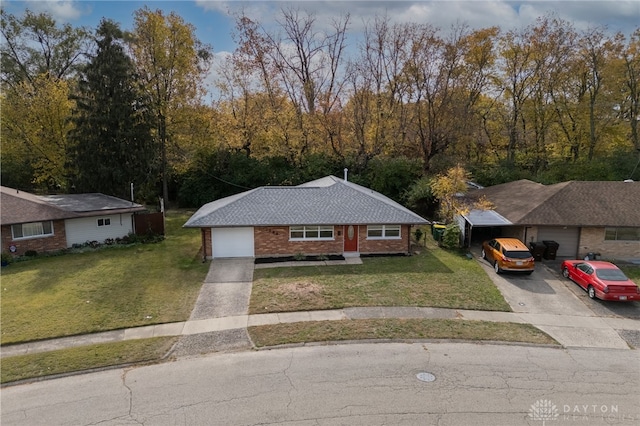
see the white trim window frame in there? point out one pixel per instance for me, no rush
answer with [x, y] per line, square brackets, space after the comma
[311, 233]
[384, 232]
[103, 221]
[25, 231]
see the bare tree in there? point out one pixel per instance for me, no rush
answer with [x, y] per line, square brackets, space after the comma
[630, 107]
[377, 112]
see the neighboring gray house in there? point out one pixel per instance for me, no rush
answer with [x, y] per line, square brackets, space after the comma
[55, 222]
[581, 216]
[328, 216]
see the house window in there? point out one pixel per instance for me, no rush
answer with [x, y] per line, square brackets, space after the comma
[311, 232]
[32, 230]
[622, 234]
[104, 222]
[383, 232]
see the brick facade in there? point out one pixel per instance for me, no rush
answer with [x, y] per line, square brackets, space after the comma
[274, 241]
[206, 243]
[49, 243]
[592, 240]
[382, 246]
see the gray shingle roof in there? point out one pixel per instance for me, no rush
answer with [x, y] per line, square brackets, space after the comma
[326, 201]
[573, 203]
[83, 203]
[23, 207]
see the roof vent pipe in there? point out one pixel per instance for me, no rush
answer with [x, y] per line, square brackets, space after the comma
[345, 173]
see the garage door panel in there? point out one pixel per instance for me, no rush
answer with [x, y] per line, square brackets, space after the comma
[567, 238]
[232, 242]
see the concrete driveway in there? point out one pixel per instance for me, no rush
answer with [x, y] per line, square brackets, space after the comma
[604, 308]
[226, 289]
[540, 293]
[548, 301]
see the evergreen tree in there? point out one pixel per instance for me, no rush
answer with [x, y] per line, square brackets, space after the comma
[113, 144]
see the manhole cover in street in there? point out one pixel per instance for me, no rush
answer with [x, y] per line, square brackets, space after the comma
[425, 377]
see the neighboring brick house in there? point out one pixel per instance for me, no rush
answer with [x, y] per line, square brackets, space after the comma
[55, 222]
[581, 216]
[328, 216]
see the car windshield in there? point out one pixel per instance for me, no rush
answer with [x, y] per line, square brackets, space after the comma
[611, 274]
[514, 254]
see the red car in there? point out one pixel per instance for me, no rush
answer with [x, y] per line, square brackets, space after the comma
[601, 279]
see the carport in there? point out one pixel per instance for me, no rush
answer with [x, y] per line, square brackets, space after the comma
[485, 223]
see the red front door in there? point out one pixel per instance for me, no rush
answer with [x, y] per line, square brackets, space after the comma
[350, 238]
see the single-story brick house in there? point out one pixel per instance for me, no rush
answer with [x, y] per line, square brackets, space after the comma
[55, 222]
[327, 216]
[581, 216]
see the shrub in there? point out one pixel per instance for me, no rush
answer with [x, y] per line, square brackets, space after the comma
[6, 258]
[418, 235]
[31, 253]
[147, 238]
[451, 237]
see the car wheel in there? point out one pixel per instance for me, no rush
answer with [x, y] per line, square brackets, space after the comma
[565, 272]
[496, 267]
[484, 255]
[591, 292]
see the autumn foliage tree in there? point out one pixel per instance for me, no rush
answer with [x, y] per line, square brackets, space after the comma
[38, 58]
[546, 102]
[172, 64]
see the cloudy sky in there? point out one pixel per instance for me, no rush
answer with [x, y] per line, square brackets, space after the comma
[214, 20]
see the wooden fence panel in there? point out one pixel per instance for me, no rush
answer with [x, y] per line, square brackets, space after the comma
[149, 222]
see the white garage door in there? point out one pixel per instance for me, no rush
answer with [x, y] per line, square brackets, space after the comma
[567, 238]
[232, 242]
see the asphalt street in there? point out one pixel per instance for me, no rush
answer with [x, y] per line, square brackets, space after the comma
[357, 384]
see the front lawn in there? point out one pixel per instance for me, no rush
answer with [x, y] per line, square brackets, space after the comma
[105, 289]
[435, 278]
[394, 328]
[62, 361]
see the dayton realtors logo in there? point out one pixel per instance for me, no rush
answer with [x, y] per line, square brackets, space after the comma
[543, 410]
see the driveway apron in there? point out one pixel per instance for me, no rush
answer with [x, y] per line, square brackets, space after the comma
[226, 289]
[543, 300]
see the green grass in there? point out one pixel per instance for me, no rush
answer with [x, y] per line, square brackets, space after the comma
[86, 357]
[410, 329]
[112, 288]
[435, 278]
[631, 271]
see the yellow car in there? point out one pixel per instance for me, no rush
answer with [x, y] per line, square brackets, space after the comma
[508, 254]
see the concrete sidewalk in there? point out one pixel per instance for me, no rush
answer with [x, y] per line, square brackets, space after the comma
[222, 307]
[567, 330]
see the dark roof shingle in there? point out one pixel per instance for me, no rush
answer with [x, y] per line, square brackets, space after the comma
[573, 203]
